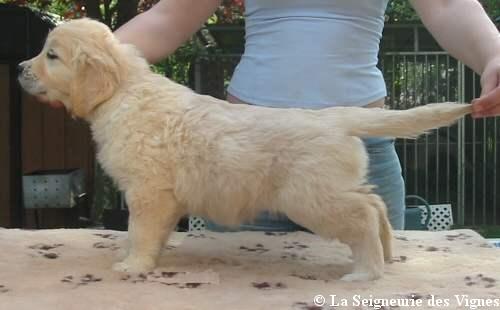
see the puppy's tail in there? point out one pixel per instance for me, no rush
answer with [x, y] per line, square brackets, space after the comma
[402, 123]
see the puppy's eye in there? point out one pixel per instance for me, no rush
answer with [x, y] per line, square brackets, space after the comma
[51, 55]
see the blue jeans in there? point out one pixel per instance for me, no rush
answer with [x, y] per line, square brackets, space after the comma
[384, 171]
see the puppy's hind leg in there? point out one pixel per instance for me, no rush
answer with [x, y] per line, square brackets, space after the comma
[352, 218]
[153, 215]
[385, 227]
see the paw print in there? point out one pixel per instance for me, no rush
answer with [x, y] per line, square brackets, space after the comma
[435, 249]
[479, 279]
[304, 277]
[268, 286]
[271, 233]
[43, 250]
[294, 245]
[107, 236]
[199, 236]
[399, 259]
[258, 248]
[103, 245]
[156, 277]
[460, 236]
[83, 280]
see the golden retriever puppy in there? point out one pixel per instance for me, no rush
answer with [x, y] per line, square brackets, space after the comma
[174, 152]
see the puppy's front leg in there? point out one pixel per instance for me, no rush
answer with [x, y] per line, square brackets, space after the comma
[153, 215]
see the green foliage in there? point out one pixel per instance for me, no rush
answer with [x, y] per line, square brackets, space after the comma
[178, 65]
[111, 12]
[230, 12]
[492, 7]
[62, 8]
[401, 12]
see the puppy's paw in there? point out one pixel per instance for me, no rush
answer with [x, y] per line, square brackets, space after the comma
[360, 276]
[134, 266]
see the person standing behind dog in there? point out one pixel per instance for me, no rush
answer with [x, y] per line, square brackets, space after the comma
[316, 54]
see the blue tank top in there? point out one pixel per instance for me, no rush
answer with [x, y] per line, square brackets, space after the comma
[311, 53]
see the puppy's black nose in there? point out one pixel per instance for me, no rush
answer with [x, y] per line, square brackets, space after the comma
[20, 68]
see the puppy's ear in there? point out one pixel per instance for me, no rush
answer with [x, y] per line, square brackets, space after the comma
[98, 75]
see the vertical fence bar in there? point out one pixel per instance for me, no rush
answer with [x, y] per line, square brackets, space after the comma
[405, 156]
[495, 166]
[461, 155]
[438, 71]
[415, 142]
[425, 72]
[393, 79]
[474, 162]
[448, 153]
[485, 149]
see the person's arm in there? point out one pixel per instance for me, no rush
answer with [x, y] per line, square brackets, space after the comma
[463, 28]
[159, 31]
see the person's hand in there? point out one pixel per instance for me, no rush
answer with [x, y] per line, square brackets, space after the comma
[55, 104]
[52, 103]
[489, 103]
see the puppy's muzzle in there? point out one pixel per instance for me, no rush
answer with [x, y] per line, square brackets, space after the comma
[29, 82]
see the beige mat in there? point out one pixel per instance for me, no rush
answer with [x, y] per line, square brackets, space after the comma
[70, 269]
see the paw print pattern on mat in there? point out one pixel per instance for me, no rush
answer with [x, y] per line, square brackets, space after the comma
[460, 236]
[399, 259]
[107, 236]
[199, 236]
[268, 286]
[43, 250]
[83, 280]
[294, 245]
[103, 245]
[480, 279]
[161, 277]
[435, 249]
[271, 233]
[258, 248]
[304, 276]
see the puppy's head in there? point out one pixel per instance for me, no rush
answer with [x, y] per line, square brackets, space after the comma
[81, 65]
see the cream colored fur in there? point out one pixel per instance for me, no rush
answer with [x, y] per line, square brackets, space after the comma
[174, 152]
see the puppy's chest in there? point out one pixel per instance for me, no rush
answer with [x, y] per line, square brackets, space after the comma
[131, 156]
